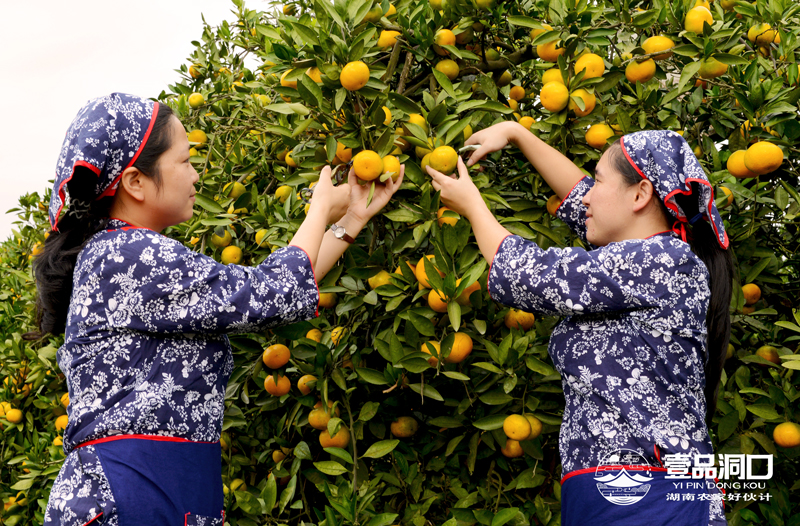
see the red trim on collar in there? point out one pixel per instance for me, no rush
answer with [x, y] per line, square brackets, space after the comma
[659, 233]
[157, 438]
[632, 467]
[570, 191]
[111, 190]
[93, 518]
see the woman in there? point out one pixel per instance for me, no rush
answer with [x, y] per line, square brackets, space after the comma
[146, 356]
[646, 325]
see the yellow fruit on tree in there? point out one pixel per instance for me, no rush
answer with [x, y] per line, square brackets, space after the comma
[422, 277]
[290, 161]
[391, 164]
[589, 102]
[354, 75]
[314, 334]
[340, 439]
[388, 38]
[374, 15]
[235, 192]
[787, 434]
[318, 417]
[446, 219]
[437, 302]
[728, 5]
[381, 278]
[736, 166]
[419, 120]
[282, 387]
[518, 319]
[536, 426]
[343, 153]
[327, 300]
[592, 64]
[282, 193]
[769, 353]
[763, 157]
[194, 71]
[444, 159]
[761, 34]
[368, 165]
[315, 74]
[61, 423]
[504, 79]
[196, 100]
[516, 93]
[388, 113]
[516, 427]
[554, 96]
[552, 75]
[463, 298]
[276, 356]
[288, 83]
[302, 383]
[444, 37]
[448, 67]
[462, 347]
[198, 137]
[527, 122]
[751, 293]
[221, 242]
[404, 427]
[712, 68]
[536, 32]
[549, 52]
[512, 449]
[728, 193]
[337, 334]
[278, 455]
[659, 43]
[64, 400]
[433, 360]
[392, 11]
[696, 18]
[14, 416]
[598, 134]
[231, 255]
[640, 71]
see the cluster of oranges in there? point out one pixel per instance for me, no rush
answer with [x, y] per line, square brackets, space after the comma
[518, 428]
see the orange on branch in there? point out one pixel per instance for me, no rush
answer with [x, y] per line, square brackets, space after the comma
[462, 347]
[598, 134]
[280, 388]
[340, 439]
[640, 71]
[589, 102]
[354, 75]
[437, 302]
[659, 43]
[422, 277]
[368, 165]
[763, 157]
[276, 356]
[549, 52]
[554, 96]
[592, 64]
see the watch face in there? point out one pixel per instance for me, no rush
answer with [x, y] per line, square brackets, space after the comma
[338, 231]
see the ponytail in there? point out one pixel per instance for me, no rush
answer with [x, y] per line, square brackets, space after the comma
[53, 269]
[719, 263]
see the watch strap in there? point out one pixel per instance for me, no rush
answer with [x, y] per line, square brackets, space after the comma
[347, 237]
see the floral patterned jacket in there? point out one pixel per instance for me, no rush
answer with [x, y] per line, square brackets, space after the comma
[631, 348]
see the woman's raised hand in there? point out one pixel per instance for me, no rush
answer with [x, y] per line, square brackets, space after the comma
[492, 139]
[359, 194]
[459, 195]
[333, 198]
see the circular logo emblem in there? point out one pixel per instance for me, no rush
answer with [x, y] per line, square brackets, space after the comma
[623, 477]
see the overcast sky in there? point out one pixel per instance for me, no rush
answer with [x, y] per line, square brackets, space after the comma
[56, 55]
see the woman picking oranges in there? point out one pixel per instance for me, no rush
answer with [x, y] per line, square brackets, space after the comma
[145, 355]
[645, 328]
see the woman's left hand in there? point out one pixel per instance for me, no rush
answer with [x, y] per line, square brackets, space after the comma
[359, 193]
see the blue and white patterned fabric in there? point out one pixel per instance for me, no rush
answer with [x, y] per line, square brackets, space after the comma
[665, 159]
[106, 136]
[632, 346]
[146, 351]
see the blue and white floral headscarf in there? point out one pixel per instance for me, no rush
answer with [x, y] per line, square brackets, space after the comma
[106, 137]
[665, 159]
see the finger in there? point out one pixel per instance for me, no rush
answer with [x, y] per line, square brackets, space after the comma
[436, 186]
[435, 175]
[325, 174]
[462, 169]
[477, 155]
[473, 139]
[396, 184]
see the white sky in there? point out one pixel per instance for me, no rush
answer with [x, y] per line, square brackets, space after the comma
[56, 55]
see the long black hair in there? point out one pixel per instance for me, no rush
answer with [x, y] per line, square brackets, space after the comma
[54, 266]
[719, 263]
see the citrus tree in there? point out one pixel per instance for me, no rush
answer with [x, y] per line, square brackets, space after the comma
[413, 398]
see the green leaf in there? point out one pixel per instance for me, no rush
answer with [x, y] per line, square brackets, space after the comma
[288, 108]
[788, 325]
[208, 203]
[339, 453]
[330, 467]
[270, 494]
[503, 516]
[446, 421]
[456, 376]
[423, 325]
[454, 313]
[731, 60]
[688, 72]
[402, 215]
[302, 451]
[307, 34]
[444, 82]
[368, 410]
[451, 446]
[288, 494]
[756, 270]
[248, 502]
[379, 449]
[496, 397]
[371, 376]
[309, 90]
[524, 21]
[490, 423]
[764, 411]
[404, 103]
[427, 390]
[382, 519]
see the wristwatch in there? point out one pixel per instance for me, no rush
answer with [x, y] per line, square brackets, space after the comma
[340, 233]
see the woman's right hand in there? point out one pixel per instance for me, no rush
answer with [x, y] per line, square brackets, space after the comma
[492, 139]
[335, 198]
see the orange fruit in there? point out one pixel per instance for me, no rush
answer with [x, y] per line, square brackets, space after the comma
[314, 334]
[388, 38]
[516, 427]
[761, 34]
[443, 159]
[282, 193]
[640, 71]
[787, 434]
[354, 75]
[280, 388]
[589, 101]
[340, 439]
[763, 157]
[437, 302]
[61, 422]
[343, 153]
[554, 96]
[433, 360]
[276, 356]
[695, 19]
[752, 293]
[290, 161]
[769, 353]
[232, 254]
[194, 71]
[736, 165]
[448, 67]
[374, 15]
[318, 418]
[381, 278]
[337, 334]
[505, 79]
[14, 416]
[659, 43]
[404, 427]
[536, 426]
[221, 242]
[527, 122]
[463, 298]
[419, 120]
[448, 220]
[196, 100]
[518, 319]
[315, 74]
[422, 277]
[592, 64]
[553, 202]
[64, 400]
[549, 52]
[552, 75]
[278, 455]
[391, 164]
[516, 93]
[512, 449]
[536, 32]
[598, 134]
[444, 37]
[711, 68]
[728, 193]
[288, 83]
[327, 300]
[462, 347]
[302, 383]
[368, 165]
[197, 136]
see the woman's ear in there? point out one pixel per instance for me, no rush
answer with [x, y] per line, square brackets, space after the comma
[644, 195]
[133, 181]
